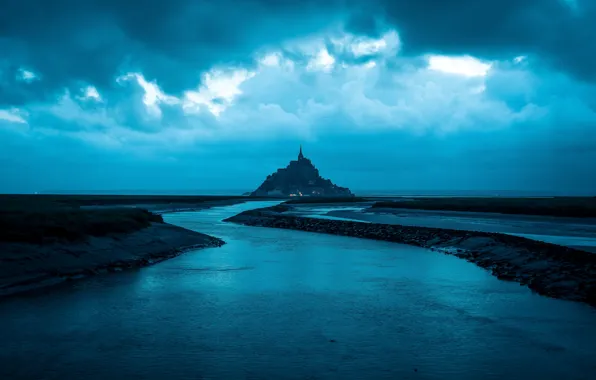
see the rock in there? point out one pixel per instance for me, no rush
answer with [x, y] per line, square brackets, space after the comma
[300, 178]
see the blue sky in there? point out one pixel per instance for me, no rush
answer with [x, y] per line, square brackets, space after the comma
[179, 95]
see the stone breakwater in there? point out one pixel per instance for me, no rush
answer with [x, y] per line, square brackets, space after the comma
[547, 269]
[25, 267]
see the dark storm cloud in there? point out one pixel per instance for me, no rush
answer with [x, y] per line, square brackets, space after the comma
[552, 29]
[69, 42]
[73, 41]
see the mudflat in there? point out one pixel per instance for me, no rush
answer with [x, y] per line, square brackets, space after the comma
[576, 207]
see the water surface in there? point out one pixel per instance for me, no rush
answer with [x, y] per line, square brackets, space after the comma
[280, 304]
[579, 233]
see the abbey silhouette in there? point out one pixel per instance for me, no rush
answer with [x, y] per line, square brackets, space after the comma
[300, 178]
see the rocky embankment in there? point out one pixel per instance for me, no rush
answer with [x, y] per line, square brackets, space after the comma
[547, 269]
[25, 266]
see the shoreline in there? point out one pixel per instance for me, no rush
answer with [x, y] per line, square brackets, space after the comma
[577, 233]
[51, 241]
[570, 207]
[26, 267]
[547, 269]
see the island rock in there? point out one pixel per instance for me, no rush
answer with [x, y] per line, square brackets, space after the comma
[300, 178]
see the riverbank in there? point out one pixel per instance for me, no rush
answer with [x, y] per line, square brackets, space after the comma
[570, 207]
[547, 269]
[27, 266]
[44, 242]
[77, 200]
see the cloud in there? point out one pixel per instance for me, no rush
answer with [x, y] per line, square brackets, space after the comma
[322, 61]
[91, 93]
[493, 29]
[444, 94]
[173, 41]
[302, 97]
[12, 116]
[218, 90]
[166, 41]
[466, 66]
[26, 76]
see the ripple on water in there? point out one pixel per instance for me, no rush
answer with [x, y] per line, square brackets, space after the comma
[284, 304]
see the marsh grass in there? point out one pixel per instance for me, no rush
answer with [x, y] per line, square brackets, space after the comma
[39, 223]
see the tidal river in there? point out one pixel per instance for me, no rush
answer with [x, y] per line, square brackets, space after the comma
[280, 304]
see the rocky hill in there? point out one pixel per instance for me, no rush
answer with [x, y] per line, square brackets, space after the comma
[300, 178]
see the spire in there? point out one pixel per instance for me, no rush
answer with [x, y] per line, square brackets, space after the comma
[300, 155]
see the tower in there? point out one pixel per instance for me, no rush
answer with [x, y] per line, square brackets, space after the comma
[300, 155]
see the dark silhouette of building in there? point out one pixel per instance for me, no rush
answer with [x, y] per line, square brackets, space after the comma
[300, 178]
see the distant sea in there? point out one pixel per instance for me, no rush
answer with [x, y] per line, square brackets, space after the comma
[471, 193]
[377, 193]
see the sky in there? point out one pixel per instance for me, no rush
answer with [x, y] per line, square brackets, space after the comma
[184, 95]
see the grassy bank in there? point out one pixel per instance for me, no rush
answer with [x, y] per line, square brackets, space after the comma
[579, 207]
[52, 224]
[55, 218]
[51, 200]
[45, 240]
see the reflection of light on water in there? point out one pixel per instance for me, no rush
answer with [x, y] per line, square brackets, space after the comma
[160, 278]
[318, 216]
[561, 240]
[321, 212]
[324, 210]
[205, 221]
[150, 281]
[221, 279]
